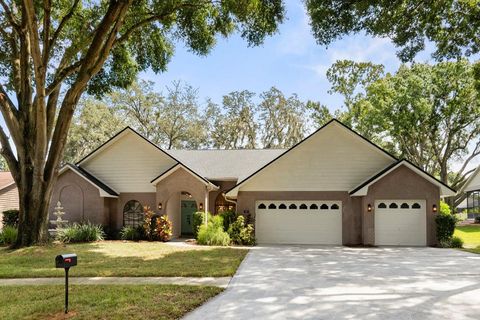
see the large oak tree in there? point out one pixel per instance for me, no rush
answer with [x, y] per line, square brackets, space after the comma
[53, 51]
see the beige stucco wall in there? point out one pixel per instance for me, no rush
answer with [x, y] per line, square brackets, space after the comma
[401, 183]
[351, 211]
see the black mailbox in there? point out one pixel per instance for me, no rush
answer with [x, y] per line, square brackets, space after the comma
[66, 260]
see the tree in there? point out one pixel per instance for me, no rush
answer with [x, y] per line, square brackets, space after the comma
[452, 25]
[93, 124]
[429, 114]
[234, 125]
[282, 119]
[52, 52]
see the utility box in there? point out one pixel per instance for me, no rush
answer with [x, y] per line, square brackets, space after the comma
[65, 260]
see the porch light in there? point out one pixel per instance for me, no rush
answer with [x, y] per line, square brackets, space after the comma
[201, 206]
[159, 206]
[434, 208]
[369, 207]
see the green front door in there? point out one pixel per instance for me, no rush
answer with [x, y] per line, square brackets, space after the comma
[188, 208]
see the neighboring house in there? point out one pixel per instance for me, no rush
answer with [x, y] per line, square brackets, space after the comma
[471, 188]
[334, 187]
[8, 193]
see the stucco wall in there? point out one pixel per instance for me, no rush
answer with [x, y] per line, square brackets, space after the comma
[351, 211]
[401, 183]
[81, 200]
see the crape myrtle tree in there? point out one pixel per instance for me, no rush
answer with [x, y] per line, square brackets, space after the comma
[53, 51]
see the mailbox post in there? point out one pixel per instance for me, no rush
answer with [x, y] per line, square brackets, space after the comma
[66, 261]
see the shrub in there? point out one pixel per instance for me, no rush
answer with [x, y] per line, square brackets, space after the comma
[477, 219]
[444, 208]
[10, 218]
[8, 235]
[80, 232]
[241, 233]
[213, 233]
[228, 217]
[198, 220]
[149, 224]
[131, 233]
[163, 228]
[456, 242]
[445, 227]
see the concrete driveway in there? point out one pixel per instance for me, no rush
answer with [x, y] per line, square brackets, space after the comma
[298, 282]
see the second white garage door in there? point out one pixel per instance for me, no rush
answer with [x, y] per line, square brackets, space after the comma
[400, 222]
[298, 222]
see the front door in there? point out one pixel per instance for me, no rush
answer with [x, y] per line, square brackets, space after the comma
[188, 208]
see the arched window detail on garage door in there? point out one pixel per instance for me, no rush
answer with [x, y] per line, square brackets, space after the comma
[272, 206]
[282, 206]
[393, 205]
[382, 206]
[324, 207]
[334, 206]
[416, 206]
[303, 206]
[405, 206]
[262, 206]
[313, 207]
[292, 206]
[133, 214]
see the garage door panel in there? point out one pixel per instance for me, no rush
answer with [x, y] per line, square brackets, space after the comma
[310, 225]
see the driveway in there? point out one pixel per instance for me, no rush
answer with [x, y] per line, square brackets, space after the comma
[300, 282]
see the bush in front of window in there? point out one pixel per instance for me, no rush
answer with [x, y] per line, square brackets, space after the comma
[132, 233]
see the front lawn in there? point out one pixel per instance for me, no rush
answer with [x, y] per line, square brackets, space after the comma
[122, 259]
[470, 235]
[103, 301]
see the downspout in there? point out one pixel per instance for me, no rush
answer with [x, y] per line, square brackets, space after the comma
[228, 200]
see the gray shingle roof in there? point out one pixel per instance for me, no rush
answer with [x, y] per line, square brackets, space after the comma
[226, 164]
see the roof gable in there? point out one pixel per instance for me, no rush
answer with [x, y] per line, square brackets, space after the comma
[473, 181]
[334, 158]
[105, 191]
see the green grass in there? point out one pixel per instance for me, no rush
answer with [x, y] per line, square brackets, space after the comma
[121, 259]
[102, 301]
[470, 235]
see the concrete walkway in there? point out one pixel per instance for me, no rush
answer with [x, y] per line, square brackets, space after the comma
[203, 281]
[314, 282]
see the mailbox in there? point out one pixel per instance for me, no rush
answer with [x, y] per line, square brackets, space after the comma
[66, 260]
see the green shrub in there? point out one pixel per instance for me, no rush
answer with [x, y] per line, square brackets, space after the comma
[197, 221]
[228, 217]
[445, 227]
[164, 228]
[477, 219]
[10, 218]
[241, 233]
[132, 233]
[80, 232]
[213, 233]
[444, 208]
[8, 235]
[456, 242]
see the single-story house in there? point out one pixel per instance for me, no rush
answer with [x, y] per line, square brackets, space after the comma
[8, 193]
[334, 187]
[471, 189]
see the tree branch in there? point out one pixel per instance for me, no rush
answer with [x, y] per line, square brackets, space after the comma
[7, 153]
[10, 16]
[62, 24]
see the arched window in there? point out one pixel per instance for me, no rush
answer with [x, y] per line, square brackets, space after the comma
[313, 207]
[292, 206]
[282, 206]
[262, 206]
[416, 206]
[334, 206]
[404, 206]
[382, 206]
[393, 205]
[222, 205]
[133, 214]
[272, 206]
[303, 206]
[324, 207]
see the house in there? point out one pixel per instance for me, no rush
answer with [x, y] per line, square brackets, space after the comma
[8, 193]
[334, 187]
[471, 189]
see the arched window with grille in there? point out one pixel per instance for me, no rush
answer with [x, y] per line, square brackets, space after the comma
[133, 215]
[222, 205]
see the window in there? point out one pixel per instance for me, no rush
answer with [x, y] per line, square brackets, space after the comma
[382, 206]
[282, 206]
[262, 206]
[222, 205]
[393, 205]
[313, 207]
[404, 206]
[133, 214]
[303, 206]
[272, 206]
[334, 206]
[416, 206]
[292, 206]
[324, 207]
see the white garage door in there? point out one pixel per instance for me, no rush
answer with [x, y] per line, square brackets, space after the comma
[299, 222]
[400, 222]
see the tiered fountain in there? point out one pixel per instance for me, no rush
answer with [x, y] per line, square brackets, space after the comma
[59, 222]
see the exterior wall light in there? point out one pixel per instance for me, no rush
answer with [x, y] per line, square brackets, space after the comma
[434, 208]
[201, 206]
[369, 207]
[159, 206]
